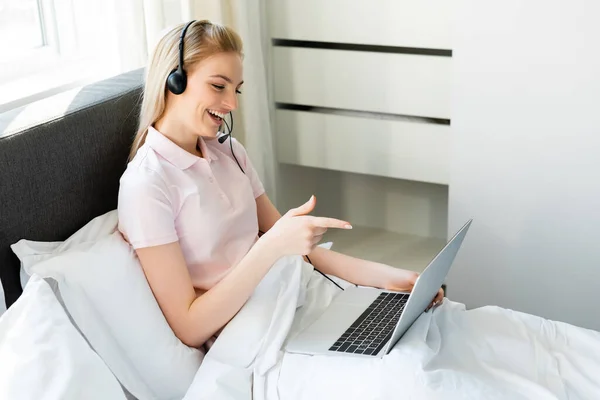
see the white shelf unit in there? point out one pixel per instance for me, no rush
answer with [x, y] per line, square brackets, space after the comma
[422, 24]
[362, 120]
[395, 149]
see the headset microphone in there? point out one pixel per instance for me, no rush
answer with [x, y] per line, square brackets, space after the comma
[223, 138]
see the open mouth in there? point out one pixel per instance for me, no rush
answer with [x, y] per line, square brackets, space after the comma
[217, 117]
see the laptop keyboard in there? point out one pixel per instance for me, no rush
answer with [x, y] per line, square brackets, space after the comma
[372, 330]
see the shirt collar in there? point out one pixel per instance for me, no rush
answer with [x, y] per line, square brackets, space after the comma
[175, 154]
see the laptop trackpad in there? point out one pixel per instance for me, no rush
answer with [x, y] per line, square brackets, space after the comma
[340, 314]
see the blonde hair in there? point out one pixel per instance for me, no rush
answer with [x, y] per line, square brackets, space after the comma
[202, 40]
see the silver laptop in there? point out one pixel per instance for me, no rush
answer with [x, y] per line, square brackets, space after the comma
[363, 321]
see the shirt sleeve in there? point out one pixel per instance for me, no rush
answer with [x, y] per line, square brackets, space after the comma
[145, 212]
[255, 182]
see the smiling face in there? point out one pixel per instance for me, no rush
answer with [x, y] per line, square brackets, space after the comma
[213, 86]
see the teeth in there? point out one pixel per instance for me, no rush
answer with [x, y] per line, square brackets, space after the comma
[217, 114]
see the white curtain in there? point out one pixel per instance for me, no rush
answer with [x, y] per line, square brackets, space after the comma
[138, 24]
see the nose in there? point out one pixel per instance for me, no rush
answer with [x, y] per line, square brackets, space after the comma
[231, 101]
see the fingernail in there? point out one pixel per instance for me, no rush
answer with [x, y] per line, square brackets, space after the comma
[348, 226]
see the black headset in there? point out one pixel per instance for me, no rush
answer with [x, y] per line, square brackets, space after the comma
[177, 79]
[177, 82]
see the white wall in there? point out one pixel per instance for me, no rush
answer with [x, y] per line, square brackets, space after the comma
[526, 158]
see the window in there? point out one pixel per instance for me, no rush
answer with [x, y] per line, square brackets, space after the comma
[25, 15]
[24, 39]
[48, 46]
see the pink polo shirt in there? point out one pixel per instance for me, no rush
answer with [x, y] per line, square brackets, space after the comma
[207, 204]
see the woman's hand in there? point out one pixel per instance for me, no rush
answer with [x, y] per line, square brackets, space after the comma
[402, 280]
[296, 233]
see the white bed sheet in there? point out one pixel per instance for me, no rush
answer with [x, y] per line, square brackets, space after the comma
[452, 353]
[44, 357]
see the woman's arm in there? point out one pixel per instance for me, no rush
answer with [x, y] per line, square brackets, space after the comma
[362, 272]
[195, 319]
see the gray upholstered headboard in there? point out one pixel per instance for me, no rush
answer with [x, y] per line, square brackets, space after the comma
[60, 163]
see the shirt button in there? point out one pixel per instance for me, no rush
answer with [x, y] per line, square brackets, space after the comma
[211, 180]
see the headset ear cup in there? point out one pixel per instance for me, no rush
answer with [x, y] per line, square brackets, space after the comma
[177, 81]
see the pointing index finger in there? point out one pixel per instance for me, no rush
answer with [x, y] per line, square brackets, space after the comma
[325, 222]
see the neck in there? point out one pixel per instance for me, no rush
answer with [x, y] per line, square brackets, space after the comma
[179, 134]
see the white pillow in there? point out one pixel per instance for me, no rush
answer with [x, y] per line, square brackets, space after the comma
[2, 300]
[31, 252]
[43, 357]
[106, 292]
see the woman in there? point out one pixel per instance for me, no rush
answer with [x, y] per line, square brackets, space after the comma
[192, 207]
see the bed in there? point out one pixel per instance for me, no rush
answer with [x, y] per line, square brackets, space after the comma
[87, 325]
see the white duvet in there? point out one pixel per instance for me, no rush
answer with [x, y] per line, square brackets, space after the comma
[452, 353]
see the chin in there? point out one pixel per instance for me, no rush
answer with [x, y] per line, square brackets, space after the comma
[208, 132]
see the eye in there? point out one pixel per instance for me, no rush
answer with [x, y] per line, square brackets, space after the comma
[218, 87]
[238, 91]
